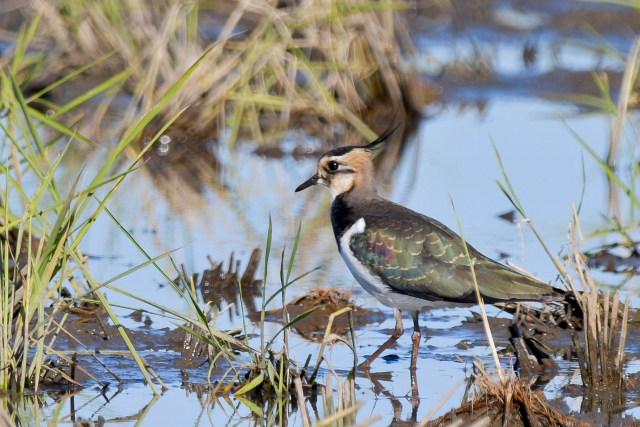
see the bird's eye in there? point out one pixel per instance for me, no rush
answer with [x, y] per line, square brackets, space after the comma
[333, 166]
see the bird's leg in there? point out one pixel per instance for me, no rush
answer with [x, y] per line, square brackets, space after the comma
[415, 338]
[397, 333]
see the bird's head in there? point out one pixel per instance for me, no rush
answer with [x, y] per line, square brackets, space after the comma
[346, 168]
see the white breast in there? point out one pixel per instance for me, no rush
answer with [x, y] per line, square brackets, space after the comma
[373, 284]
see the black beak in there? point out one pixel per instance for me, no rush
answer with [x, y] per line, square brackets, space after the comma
[308, 183]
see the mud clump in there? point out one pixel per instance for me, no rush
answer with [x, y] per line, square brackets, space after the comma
[329, 301]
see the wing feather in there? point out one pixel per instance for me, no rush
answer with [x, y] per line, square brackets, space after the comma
[418, 256]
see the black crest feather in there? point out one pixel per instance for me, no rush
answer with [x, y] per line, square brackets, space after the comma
[382, 138]
[340, 151]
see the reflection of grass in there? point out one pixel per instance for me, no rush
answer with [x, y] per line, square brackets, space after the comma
[310, 59]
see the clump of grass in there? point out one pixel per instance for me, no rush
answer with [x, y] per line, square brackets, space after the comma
[43, 270]
[271, 371]
[509, 402]
[272, 64]
[39, 248]
[600, 314]
[605, 320]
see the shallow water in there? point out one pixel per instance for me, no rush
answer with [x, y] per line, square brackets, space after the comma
[450, 156]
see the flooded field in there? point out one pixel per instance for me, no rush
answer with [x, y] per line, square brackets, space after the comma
[515, 76]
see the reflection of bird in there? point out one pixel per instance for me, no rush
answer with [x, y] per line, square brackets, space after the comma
[406, 260]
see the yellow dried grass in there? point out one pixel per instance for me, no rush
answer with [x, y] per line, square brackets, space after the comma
[318, 58]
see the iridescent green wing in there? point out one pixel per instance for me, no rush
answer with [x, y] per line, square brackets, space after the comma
[418, 256]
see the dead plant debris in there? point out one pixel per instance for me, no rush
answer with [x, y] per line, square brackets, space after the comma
[329, 301]
[512, 404]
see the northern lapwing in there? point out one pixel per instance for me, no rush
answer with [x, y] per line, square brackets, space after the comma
[406, 260]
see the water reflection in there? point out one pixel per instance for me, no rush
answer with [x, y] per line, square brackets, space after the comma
[181, 165]
[224, 288]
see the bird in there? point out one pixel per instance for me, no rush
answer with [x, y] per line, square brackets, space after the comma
[406, 260]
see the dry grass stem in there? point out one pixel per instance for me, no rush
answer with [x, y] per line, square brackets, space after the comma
[630, 71]
[301, 402]
[600, 360]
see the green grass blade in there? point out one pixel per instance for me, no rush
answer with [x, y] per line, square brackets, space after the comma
[250, 385]
[293, 322]
[25, 37]
[276, 293]
[506, 193]
[117, 79]
[584, 185]
[27, 116]
[53, 124]
[68, 77]
[511, 194]
[249, 404]
[293, 252]
[282, 283]
[59, 231]
[272, 375]
[606, 168]
[264, 282]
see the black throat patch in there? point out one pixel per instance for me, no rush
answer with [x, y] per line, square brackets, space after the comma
[342, 216]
